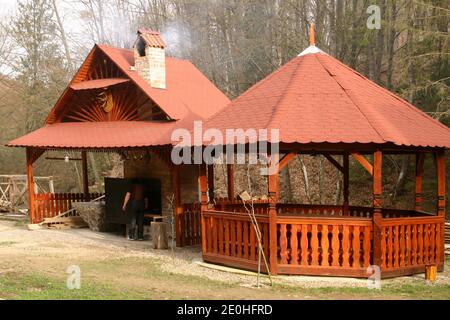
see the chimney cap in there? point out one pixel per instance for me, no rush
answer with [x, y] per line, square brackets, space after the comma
[152, 38]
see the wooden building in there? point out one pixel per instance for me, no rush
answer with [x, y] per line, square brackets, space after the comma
[128, 102]
[118, 102]
[322, 107]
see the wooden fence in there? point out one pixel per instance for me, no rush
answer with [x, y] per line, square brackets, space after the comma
[49, 205]
[310, 244]
[408, 244]
[231, 239]
[189, 225]
[326, 246]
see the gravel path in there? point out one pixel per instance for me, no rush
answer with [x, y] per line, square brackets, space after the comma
[21, 245]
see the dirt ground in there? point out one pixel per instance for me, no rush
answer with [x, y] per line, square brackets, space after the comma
[33, 264]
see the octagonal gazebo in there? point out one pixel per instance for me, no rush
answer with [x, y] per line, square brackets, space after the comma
[322, 107]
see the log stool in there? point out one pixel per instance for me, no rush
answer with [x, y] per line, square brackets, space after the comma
[159, 236]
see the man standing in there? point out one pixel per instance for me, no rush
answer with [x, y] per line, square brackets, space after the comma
[138, 203]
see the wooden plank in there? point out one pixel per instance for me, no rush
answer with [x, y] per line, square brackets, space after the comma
[363, 161]
[285, 160]
[239, 239]
[294, 245]
[230, 181]
[283, 244]
[334, 163]
[335, 245]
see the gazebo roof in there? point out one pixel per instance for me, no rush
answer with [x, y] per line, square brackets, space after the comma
[315, 98]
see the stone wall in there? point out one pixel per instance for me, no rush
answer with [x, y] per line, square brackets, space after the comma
[155, 168]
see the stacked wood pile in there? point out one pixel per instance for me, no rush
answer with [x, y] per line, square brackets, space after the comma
[64, 222]
[447, 232]
[447, 238]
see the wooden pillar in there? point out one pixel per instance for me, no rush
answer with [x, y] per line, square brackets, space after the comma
[204, 202]
[84, 166]
[440, 168]
[377, 204]
[211, 182]
[177, 207]
[30, 179]
[273, 237]
[346, 166]
[230, 179]
[420, 157]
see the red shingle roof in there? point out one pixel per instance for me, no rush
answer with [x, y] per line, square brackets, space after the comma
[189, 96]
[102, 135]
[314, 98]
[96, 84]
[187, 89]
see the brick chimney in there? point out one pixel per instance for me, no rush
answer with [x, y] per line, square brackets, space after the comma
[150, 58]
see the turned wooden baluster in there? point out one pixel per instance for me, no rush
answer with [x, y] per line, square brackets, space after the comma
[325, 247]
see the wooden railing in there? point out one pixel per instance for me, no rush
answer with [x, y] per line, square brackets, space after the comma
[189, 225]
[262, 207]
[231, 239]
[48, 205]
[320, 243]
[326, 246]
[408, 244]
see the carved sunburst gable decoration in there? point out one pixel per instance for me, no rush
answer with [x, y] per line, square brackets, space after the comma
[105, 100]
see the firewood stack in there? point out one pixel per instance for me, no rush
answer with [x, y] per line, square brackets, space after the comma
[447, 238]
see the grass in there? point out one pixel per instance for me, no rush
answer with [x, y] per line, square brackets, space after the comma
[141, 278]
[36, 286]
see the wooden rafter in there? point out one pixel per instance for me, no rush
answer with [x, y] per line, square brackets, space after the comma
[285, 160]
[364, 162]
[334, 162]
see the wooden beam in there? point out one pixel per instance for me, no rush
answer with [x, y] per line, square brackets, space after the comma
[377, 203]
[204, 202]
[30, 180]
[334, 162]
[84, 167]
[420, 159]
[363, 161]
[440, 166]
[230, 179]
[346, 180]
[273, 237]
[177, 208]
[285, 160]
[211, 182]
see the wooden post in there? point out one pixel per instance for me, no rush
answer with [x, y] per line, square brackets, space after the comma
[230, 178]
[204, 202]
[30, 179]
[420, 157]
[273, 238]
[346, 165]
[84, 166]
[440, 165]
[177, 208]
[211, 182]
[377, 203]
[440, 168]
